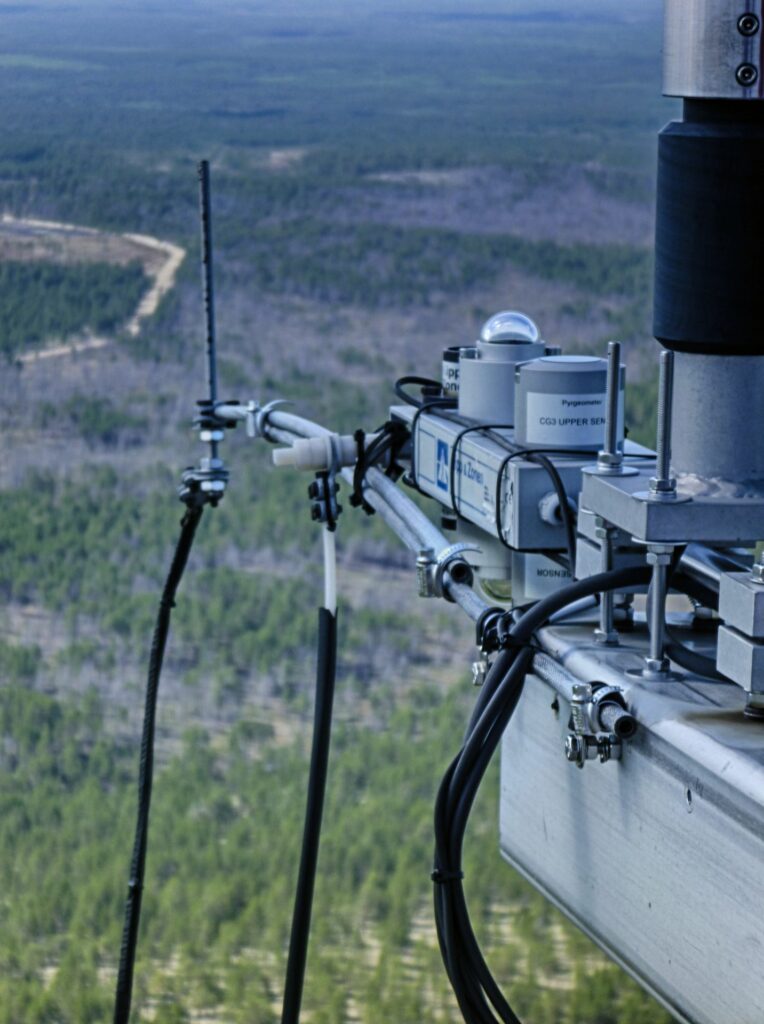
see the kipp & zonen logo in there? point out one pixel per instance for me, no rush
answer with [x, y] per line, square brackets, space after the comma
[441, 469]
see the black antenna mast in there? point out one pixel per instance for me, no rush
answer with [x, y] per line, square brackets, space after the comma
[208, 284]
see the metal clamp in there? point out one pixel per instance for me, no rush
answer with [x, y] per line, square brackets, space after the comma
[599, 722]
[252, 410]
[205, 484]
[480, 670]
[260, 416]
[324, 507]
[324, 489]
[432, 569]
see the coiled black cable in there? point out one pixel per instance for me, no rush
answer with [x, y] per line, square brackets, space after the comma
[475, 427]
[479, 997]
[129, 944]
[392, 436]
[430, 389]
[319, 763]
[539, 456]
[566, 512]
[692, 661]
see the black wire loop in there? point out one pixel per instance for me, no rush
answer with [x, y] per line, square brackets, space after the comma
[390, 440]
[486, 428]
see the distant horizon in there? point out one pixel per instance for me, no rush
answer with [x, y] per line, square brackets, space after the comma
[285, 7]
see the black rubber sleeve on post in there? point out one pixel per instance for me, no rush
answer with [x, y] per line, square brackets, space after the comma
[319, 763]
[124, 990]
[709, 225]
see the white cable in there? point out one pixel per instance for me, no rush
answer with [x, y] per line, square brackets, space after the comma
[330, 571]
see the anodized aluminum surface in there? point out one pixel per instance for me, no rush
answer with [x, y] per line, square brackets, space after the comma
[704, 48]
[719, 519]
[657, 857]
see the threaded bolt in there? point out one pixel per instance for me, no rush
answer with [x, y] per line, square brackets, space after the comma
[662, 482]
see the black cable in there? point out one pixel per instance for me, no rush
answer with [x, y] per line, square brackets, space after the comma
[478, 996]
[391, 437]
[536, 455]
[319, 761]
[678, 652]
[566, 513]
[691, 661]
[123, 995]
[431, 389]
[483, 428]
[438, 403]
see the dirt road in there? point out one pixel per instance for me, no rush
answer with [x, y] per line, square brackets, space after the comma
[32, 239]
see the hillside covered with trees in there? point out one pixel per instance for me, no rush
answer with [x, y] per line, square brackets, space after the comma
[385, 177]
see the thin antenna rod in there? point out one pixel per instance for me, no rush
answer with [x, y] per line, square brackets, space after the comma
[207, 280]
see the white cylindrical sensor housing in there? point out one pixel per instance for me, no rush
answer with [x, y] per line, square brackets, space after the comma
[561, 403]
[487, 371]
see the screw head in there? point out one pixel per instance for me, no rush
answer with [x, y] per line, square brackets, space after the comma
[572, 748]
[748, 24]
[747, 74]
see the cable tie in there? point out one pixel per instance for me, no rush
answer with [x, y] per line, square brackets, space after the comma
[511, 643]
[357, 499]
[487, 628]
[507, 641]
[441, 877]
[399, 434]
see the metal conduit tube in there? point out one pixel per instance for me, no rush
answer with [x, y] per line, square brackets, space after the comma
[397, 523]
[612, 718]
[399, 527]
[429, 536]
[463, 595]
[403, 517]
[554, 674]
[390, 516]
[295, 424]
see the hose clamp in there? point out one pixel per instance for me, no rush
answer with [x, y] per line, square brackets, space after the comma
[589, 737]
[257, 418]
[451, 560]
[431, 569]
